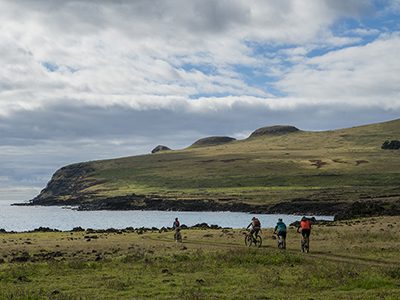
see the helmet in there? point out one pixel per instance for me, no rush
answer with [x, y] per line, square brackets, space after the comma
[254, 218]
[303, 218]
[280, 219]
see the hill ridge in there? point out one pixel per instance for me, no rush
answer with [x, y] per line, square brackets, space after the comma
[329, 170]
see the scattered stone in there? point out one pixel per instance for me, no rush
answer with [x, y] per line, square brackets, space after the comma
[23, 257]
[200, 281]
[23, 278]
[201, 225]
[91, 237]
[77, 229]
[162, 229]
[98, 257]
[45, 229]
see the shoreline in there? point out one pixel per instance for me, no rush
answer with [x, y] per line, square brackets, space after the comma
[340, 210]
[140, 230]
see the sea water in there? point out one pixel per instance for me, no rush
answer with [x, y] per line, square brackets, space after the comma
[24, 218]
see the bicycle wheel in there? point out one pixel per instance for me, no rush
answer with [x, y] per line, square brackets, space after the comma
[248, 240]
[280, 243]
[259, 241]
[307, 245]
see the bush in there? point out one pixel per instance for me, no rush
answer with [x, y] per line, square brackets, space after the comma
[394, 144]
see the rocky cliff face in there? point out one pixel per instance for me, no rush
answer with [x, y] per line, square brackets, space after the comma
[66, 185]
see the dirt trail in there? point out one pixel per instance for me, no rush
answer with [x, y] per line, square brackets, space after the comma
[317, 254]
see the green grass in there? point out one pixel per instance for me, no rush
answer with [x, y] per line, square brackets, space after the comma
[260, 170]
[351, 260]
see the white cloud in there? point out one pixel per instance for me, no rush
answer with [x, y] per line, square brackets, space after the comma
[115, 78]
[361, 75]
[109, 50]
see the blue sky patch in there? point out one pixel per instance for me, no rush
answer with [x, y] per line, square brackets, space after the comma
[51, 67]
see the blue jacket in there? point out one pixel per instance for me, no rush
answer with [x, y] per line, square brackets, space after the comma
[280, 227]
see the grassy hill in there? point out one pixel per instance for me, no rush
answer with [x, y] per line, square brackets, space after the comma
[323, 170]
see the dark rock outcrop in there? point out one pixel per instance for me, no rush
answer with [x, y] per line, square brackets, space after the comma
[274, 130]
[160, 148]
[392, 145]
[213, 141]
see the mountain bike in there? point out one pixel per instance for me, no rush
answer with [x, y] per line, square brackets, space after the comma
[250, 240]
[281, 242]
[305, 244]
[178, 236]
[305, 239]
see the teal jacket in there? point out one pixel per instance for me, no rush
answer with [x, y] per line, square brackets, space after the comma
[280, 227]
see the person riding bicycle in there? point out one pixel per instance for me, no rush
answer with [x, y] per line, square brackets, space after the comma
[280, 230]
[305, 229]
[255, 225]
[177, 227]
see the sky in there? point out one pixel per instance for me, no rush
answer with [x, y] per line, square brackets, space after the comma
[88, 80]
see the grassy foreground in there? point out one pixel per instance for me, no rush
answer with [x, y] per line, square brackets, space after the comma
[356, 259]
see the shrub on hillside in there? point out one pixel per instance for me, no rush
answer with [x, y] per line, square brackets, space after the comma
[394, 144]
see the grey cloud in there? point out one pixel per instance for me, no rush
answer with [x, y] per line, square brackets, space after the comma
[182, 18]
[70, 123]
[351, 7]
[138, 17]
[34, 144]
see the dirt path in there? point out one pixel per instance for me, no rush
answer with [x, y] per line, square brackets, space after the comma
[312, 255]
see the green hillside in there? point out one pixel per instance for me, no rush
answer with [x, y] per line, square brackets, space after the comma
[341, 165]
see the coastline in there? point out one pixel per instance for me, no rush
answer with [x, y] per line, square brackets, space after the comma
[341, 210]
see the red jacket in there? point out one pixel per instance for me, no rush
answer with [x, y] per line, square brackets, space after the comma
[306, 224]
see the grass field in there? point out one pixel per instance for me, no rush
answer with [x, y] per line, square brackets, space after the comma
[345, 165]
[356, 259]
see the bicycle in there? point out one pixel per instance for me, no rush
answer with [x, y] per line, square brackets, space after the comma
[281, 242]
[305, 244]
[178, 236]
[249, 240]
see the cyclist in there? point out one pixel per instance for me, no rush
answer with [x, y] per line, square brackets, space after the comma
[305, 229]
[255, 225]
[177, 227]
[280, 231]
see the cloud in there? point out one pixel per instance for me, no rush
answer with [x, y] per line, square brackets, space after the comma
[361, 75]
[115, 78]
